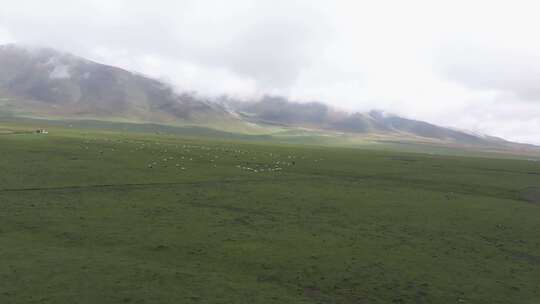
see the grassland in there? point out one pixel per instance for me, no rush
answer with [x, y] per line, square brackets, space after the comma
[97, 216]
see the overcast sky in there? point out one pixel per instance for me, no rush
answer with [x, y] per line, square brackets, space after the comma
[467, 64]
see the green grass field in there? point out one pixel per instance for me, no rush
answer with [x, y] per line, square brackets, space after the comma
[96, 216]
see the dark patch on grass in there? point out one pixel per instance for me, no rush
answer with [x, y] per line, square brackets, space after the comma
[407, 159]
[531, 194]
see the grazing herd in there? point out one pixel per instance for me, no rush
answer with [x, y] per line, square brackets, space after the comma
[184, 156]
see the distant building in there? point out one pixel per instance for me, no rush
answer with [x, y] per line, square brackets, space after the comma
[42, 131]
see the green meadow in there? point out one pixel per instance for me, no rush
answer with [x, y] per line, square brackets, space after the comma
[107, 216]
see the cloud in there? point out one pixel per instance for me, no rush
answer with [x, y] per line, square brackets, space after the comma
[5, 36]
[507, 71]
[60, 72]
[465, 64]
[266, 42]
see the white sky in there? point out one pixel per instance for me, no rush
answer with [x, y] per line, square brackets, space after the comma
[467, 64]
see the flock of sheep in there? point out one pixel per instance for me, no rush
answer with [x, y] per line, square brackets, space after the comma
[181, 155]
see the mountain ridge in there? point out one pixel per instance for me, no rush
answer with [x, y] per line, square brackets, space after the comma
[278, 110]
[61, 84]
[43, 82]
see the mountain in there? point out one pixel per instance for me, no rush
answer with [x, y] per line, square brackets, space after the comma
[45, 83]
[280, 111]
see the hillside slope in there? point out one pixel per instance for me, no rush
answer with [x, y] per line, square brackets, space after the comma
[45, 82]
[280, 111]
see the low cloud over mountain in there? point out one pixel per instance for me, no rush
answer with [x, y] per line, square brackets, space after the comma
[42, 82]
[47, 82]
